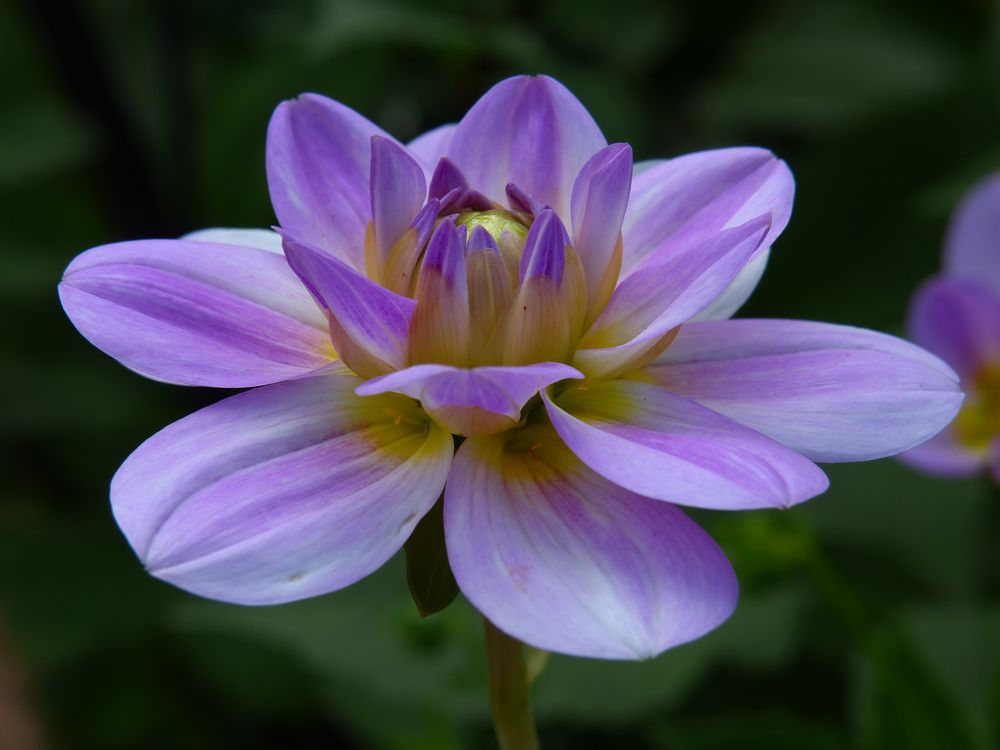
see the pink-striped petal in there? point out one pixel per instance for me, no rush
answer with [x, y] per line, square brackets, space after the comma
[650, 303]
[664, 446]
[369, 324]
[283, 492]
[196, 313]
[564, 560]
[959, 320]
[833, 393]
[476, 401]
[701, 193]
[530, 131]
[318, 156]
[972, 247]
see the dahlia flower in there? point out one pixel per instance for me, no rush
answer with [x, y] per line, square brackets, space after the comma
[508, 313]
[956, 315]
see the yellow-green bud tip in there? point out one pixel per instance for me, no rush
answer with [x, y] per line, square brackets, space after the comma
[496, 222]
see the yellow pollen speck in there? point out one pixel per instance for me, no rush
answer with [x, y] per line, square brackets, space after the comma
[400, 417]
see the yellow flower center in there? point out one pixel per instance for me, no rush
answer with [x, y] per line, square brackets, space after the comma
[978, 423]
[496, 222]
[487, 312]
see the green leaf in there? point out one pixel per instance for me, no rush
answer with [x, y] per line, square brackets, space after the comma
[961, 644]
[907, 703]
[428, 574]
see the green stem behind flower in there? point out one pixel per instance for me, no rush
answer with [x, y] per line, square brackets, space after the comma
[510, 683]
[989, 555]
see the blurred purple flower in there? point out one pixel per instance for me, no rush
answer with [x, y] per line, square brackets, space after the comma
[513, 280]
[956, 315]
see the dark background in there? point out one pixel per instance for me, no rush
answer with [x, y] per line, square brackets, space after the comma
[869, 618]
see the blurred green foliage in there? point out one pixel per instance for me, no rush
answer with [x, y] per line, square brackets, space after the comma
[869, 618]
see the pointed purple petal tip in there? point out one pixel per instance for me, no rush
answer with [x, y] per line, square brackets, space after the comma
[446, 249]
[481, 240]
[520, 200]
[398, 189]
[544, 251]
[447, 177]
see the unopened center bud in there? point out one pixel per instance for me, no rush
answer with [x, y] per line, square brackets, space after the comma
[495, 222]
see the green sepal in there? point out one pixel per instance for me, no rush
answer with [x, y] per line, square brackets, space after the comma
[428, 574]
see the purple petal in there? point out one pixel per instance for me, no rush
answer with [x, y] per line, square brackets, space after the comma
[704, 192]
[445, 253]
[398, 190]
[546, 317]
[727, 303]
[431, 146]
[397, 272]
[458, 201]
[566, 561]
[650, 303]
[661, 445]
[739, 291]
[491, 289]
[262, 239]
[945, 456]
[521, 201]
[544, 251]
[369, 324]
[972, 247]
[476, 401]
[318, 155]
[281, 493]
[600, 195]
[196, 313]
[958, 320]
[833, 393]
[450, 202]
[439, 331]
[446, 177]
[481, 241]
[528, 130]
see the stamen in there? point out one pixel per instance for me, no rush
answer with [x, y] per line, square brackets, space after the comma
[398, 418]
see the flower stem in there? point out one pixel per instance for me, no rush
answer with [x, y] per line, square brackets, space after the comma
[509, 690]
[989, 555]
